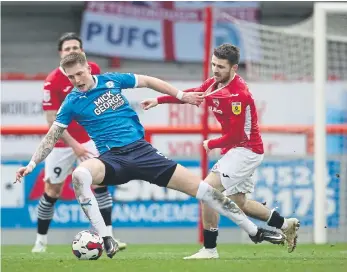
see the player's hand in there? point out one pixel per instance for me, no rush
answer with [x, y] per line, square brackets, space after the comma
[149, 103]
[193, 98]
[22, 172]
[205, 145]
[82, 153]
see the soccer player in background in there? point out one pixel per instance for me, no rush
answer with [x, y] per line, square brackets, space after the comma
[231, 102]
[74, 146]
[97, 103]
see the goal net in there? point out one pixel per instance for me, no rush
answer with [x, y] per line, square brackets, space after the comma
[284, 58]
[287, 53]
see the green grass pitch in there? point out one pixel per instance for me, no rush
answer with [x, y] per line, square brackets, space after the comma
[166, 258]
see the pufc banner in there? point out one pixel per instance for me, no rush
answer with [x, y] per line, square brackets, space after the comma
[284, 184]
[161, 31]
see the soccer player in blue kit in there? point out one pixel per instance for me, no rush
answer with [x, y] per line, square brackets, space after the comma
[97, 103]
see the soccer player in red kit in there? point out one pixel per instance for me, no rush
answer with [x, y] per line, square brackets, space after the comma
[74, 146]
[231, 102]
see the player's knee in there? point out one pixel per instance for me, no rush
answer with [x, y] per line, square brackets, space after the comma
[94, 169]
[79, 173]
[81, 177]
[53, 190]
[215, 181]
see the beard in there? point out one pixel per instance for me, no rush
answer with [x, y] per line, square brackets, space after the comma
[224, 79]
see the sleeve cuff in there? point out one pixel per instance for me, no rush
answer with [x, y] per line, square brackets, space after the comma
[60, 124]
[212, 144]
[136, 81]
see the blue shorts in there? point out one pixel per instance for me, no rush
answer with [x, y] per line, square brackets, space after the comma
[138, 160]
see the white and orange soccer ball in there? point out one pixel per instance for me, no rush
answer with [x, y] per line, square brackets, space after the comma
[87, 245]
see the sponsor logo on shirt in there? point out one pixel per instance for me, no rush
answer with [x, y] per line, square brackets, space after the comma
[67, 88]
[107, 101]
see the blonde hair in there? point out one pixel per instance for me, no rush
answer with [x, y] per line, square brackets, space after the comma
[73, 59]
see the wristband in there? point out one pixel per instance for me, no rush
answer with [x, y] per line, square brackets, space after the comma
[32, 164]
[179, 95]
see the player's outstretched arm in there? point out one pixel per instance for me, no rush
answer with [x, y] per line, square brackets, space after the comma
[166, 88]
[51, 115]
[81, 152]
[44, 148]
[47, 143]
[165, 99]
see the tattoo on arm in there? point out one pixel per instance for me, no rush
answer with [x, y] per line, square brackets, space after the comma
[47, 143]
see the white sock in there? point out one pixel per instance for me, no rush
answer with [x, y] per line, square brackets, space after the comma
[82, 181]
[109, 230]
[41, 238]
[285, 225]
[223, 205]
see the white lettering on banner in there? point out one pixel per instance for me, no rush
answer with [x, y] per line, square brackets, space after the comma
[156, 212]
[21, 103]
[305, 197]
[284, 176]
[137, 190]
[266, 173]
[63, 213]
[122, 36]
[72, 213]
[69, 213]
[286, 185]
[285, 197]
[292, 191]
[98, 23]
[302, 176]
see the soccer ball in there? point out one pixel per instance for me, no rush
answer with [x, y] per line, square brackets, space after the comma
[87, 245]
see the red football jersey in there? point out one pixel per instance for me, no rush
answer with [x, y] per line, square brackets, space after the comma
[56, 87]
[234, 108]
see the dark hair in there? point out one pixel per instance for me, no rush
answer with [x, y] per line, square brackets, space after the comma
[68, 36]
[73, 59]
[229, 52]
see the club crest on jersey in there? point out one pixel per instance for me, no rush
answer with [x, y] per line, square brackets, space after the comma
[236, 108]
[109, 84]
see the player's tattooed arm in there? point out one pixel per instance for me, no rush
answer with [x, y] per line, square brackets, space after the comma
[51, 115]
[47, 143]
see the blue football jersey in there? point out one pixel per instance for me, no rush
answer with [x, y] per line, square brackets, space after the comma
[104, 111]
